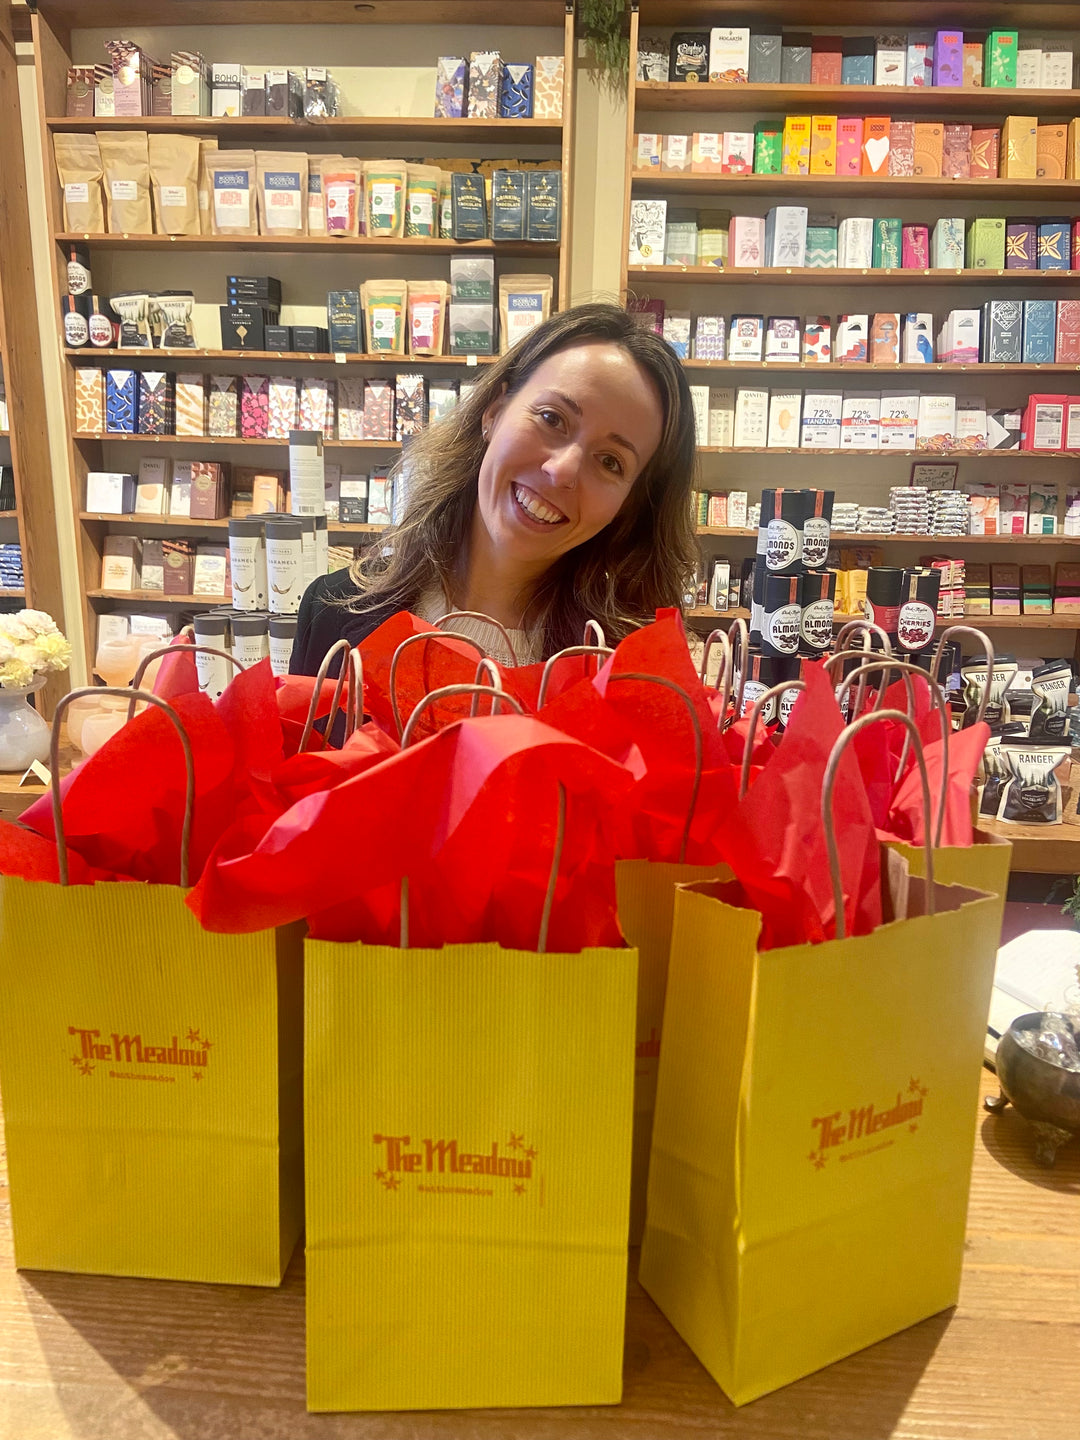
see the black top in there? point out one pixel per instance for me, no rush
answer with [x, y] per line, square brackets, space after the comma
[323, 620]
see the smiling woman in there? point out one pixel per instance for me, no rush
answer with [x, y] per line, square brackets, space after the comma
[558, 492]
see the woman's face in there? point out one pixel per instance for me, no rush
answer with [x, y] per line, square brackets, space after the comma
[564, 451]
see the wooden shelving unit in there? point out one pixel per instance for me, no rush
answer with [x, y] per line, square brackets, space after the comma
[387, 135]
[679, 108]
[792, 275]
[24, 446]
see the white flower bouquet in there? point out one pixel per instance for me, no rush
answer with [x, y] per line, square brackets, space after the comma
[31, 645]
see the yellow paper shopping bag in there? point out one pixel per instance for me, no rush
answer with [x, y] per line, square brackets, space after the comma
[468, 1123]
[814, 1107]
[151, 1078]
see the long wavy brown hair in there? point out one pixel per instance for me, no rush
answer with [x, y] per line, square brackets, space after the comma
[641, 560]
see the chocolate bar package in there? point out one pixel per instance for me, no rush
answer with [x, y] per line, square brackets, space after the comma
[343, 322]
[1040, 324]
[485, 74]
[543, 214]
[89, 400]
[765, 55]
[277, 337]
[1002, 332]
[378, 421]
[516, 92]
[796, 58]
[282, 407]
[985, 152]
[253, 93]
[469, 206]
[243, 327]
[208, 493]
[350, 408]
[956, 152]
[1054, 244]
[121, 402]
[450, 76]
[190, 404]
[410, 405]
[310, 339]
[223, 405]
[548, 87]
[1021, 245]
[80, 91]
[902, 147]
[284, 94]
[317, 406]
[508, 204]
[156, 413]
[254, 406]
[689, 54]
[1067, 347]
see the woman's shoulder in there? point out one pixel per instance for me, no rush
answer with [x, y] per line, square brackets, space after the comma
[326, 616]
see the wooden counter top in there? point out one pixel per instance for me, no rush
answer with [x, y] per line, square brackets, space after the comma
[109, 1359]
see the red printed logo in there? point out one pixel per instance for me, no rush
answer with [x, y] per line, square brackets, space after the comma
[136, 1055]
[866, 1129]
[446, 1167]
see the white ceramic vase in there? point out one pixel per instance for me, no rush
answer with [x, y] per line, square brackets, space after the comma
[24, 734]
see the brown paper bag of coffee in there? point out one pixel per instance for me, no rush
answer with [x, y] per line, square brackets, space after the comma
[78, 164]
[207, 145]
[174, 175]
[126, 160]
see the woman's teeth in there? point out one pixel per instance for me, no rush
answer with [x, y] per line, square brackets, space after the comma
[534, 506]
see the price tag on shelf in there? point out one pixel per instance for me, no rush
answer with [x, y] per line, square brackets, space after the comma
[470, 359]
[339, 359]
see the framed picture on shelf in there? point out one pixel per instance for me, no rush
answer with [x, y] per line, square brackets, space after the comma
[935, 477]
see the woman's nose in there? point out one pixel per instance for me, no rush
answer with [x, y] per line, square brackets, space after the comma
[563, 466]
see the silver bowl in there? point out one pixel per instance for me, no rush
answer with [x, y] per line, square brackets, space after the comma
[1047, 1095]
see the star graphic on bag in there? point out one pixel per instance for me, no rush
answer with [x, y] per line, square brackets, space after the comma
[914, 1088]
[196, 1074]
[519, 1189]
[819, 1163]
[380, 1174]
[392, 1182]
[76, 1059]
[531, 1153]
[813, 1156]
[86, 1068]
[913, 1126]
[193, 1036]
[517, 1142]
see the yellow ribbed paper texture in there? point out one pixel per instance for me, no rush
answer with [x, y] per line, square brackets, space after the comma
[151, 1080]
[813, 1133]
[468, 1117]
[646, 897]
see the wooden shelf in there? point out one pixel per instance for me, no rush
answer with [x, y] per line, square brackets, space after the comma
[185, 522]
[1039, 849]
[12, 594]
[905, 538]
[837, 367]
[136, 14]
[702, 612]
[933, 100]
[889, 15]
[155, 597]
[917, 186]
[981, 622]
[144, 352]
[231, 440]
[881, 454]
[257, 128]
[792, 275]
[302, 244]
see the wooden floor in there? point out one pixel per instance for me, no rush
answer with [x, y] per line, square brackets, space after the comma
[108, 1359]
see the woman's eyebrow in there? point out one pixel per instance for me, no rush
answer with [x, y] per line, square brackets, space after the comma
[571, 404]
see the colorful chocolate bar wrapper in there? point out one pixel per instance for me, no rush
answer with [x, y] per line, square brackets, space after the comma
[282, 407]
[121, 401]
[317, 406]
[155, 403]
[548, 87]
[89, 400]
[223, 406]
[191, 404]
[450, 87]
[254, 406]
[410, 405]
[350, 408]
[516, 92]
[378, 410]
